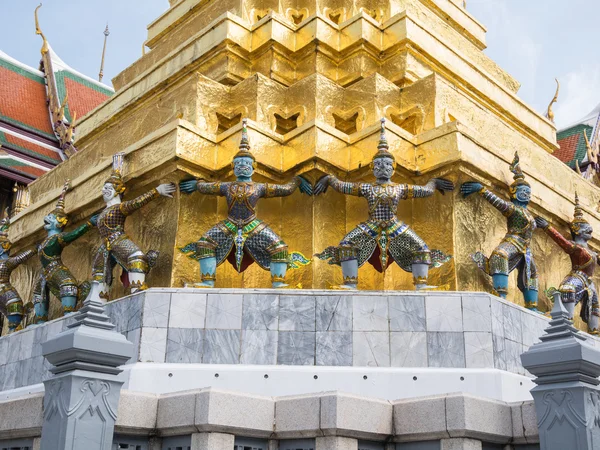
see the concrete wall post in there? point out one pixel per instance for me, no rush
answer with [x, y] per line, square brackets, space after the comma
[81, 398]
[567, 398]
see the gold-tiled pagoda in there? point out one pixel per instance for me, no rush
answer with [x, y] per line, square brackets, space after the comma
[314, 77]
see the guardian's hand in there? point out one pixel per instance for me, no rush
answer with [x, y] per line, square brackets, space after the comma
[470, 187]
[541, 223]
[321, 185]
[188, 186]
[167, 189]
[305, 187]
[443, 185]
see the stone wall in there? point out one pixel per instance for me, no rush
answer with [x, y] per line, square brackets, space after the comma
[327, 420]
[302, 327]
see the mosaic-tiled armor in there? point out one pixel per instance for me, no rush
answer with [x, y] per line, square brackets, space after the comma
[383, 239]
[118, 247]
[243, 239]
[514, 251]
[55, 276]
[11, 305]
[578, 285]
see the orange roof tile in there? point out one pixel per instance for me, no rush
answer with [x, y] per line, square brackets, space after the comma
[23, 99]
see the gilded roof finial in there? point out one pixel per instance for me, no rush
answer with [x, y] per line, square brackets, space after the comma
[590, 152]
[106, 34]
[550, 113]
[38, 30]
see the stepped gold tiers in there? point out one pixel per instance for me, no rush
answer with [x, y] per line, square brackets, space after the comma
[314, 78]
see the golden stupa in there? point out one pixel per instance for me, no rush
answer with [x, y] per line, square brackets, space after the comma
[314, 77]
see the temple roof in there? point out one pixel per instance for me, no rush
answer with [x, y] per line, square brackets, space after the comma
[572, 144]
[30, 145]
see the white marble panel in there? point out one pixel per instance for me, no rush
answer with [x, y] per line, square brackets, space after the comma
[371, 348]
[224, 311]
[188, 310]
[408, 349]
[446, 349]
[3, 350]
[499, 348]
[296, 348]
[9, 380]
[259, 347]
[185, 345]
[334, 313]
[153, 345]
[479, 350]
[222, 346]
[497, 308]
[23, 370]
[132, 310]
[407, 313]
[513, 356]
[533, 328]
[477, 313]
[297, 313]
[444, 313]
[513, 323]
[156, 309]
[260, 312]
[14, 348]
[334, 348]
[135, 337]
[27, 338]
[39, 337]
[370, 313]
[36, 371]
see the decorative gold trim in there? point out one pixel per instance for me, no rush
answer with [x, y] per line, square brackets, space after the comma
[350, 280]
[208, 277]
[139, 285]
[419, 280]
[277, 279]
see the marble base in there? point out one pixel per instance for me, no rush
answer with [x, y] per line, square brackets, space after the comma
[454, 330]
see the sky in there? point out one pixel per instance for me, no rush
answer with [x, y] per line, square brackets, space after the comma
[533, 40]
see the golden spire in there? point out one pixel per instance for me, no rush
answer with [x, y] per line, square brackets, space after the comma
[101, 74]
[550, 113]
[590, 151]
[38, 30]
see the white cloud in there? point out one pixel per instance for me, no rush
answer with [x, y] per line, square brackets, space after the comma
[580, 94]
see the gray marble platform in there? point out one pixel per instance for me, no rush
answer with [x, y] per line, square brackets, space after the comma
[302, 327]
